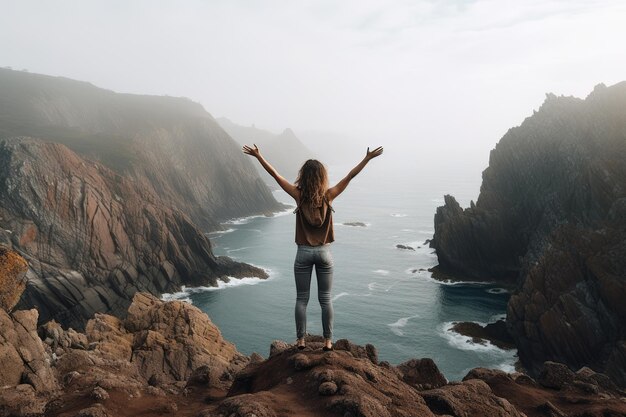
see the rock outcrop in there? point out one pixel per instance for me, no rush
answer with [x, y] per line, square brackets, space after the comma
[13, 270]
[551, 217]
[107, 194]
[167, 358]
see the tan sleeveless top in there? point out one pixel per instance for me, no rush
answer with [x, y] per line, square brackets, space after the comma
[314, 231]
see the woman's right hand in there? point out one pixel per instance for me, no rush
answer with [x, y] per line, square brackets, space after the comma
[373, 154]
[252, 151]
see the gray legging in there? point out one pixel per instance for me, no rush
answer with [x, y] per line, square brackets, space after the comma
[306, 257]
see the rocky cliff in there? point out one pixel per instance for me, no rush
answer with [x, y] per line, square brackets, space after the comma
[284, 151]
[168, 145]
[168, 358]
[107, 194]
[551, 218]
[92, 237]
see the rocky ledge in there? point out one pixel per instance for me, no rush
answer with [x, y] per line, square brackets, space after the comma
[168, 358]
[551, 219]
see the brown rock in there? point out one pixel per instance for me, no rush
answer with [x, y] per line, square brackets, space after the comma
[369, 351]
[487, 375]
[13, 269]
[21, 401]
[422, 373]
[97, 410]
[555, 375]
[470, 398]
[245, 405]
[278, 346]
[22, 353]
[362, 388]
[328, 388]
[99, 394]
[173, 339]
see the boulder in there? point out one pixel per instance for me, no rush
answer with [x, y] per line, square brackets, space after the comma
[13, 269]
[422, 373]
[470, 398]
[22, 354]
[555, 375]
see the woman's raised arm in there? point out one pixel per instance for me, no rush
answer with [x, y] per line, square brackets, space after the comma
[289, 188]
[333, 192]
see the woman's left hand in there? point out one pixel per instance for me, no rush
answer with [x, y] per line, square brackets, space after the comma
[373, 154]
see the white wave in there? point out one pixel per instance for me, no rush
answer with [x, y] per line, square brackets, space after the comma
[437, 200]
[508, 367]
[237, 249]
[397, 326]
[185, 292]
[285, 212]
[341, 294]
[242, 220]
[463, 342]
[426, 232]
[497, 290]
[375, 285]
[407, 230]
[398, 215]
[381, 272]
[429, 276]
[245, 220]
[177, 296]
[221, 232]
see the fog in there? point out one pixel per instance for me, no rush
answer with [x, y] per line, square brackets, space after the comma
[437, 83]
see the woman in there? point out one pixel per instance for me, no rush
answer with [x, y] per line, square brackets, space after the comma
[314, 233]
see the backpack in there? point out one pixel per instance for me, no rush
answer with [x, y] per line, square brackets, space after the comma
[314, 216]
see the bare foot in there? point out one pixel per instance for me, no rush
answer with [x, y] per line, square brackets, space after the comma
[328, 344]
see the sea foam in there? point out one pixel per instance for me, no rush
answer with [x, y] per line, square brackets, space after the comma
[185, 292]
[463, 342]
[397, 326]
[341, 294]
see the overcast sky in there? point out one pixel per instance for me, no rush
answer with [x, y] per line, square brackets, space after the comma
[424, 78]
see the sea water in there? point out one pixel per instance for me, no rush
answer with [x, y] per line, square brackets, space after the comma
[381, 294]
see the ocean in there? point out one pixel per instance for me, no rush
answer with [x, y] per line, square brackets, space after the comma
[382, 295]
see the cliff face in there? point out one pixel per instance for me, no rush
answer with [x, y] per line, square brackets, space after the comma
[107, 194]
[284, 151]
[168, 358]
[92, 237]
[171, 146]
[551, 217]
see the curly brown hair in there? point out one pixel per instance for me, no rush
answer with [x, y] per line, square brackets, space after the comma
[313, 182]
